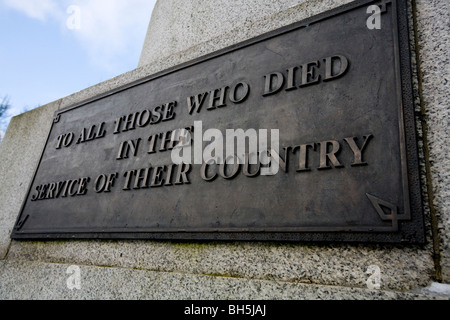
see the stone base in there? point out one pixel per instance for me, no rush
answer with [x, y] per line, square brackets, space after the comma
[37, 280]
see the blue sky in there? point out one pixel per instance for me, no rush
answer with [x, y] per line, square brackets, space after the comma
[52, 48]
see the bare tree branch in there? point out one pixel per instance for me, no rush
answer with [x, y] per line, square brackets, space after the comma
[4, 106]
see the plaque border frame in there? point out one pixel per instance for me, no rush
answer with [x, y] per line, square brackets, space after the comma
[412, 232]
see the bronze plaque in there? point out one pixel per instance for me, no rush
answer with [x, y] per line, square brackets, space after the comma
[306, 134]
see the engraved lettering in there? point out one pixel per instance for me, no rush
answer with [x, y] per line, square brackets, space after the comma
[326, 155]
[110, 181]
[118, 123]
[101, 132]
[104, 182]
[73, 191]
[50, 191]
[128, 146]
[157, 115]
[43, 192]
[35, 196]
[310, 74]
[332, 71]
[234, 172]
[357, 152]
[53, 190]
[141, 180]
[204, 172]
[166, 137]
[82, 189]
[217, 98]
[291, 79]
[183, 170]
[152, 140]
[303, 155]
[68, 139]
[246, 167]
[128, 175]
[196, 102]
[157, 180]
[65, 140]
[130, 122]
[241, 136]
[64, 191]
[100, 183]
[238, 95]
[144, 118]
[169, 174]
[270, 87]
[59, 188]
[282, 163]
[169, 113]
[93, 133]
[82, 137]
[58, 144]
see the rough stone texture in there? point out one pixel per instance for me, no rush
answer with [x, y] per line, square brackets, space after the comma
[433, 32]
[346, 265]
[25, 280]
[19, 155]
[204, 26]
[223, 270]
[177, 30]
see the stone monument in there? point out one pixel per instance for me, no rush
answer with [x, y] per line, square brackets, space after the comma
[241, 251]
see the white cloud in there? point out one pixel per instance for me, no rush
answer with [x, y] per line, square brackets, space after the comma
[108, 29]
[111, 32]
[41, 10]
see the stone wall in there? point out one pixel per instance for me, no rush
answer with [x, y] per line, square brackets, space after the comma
[183, 30]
